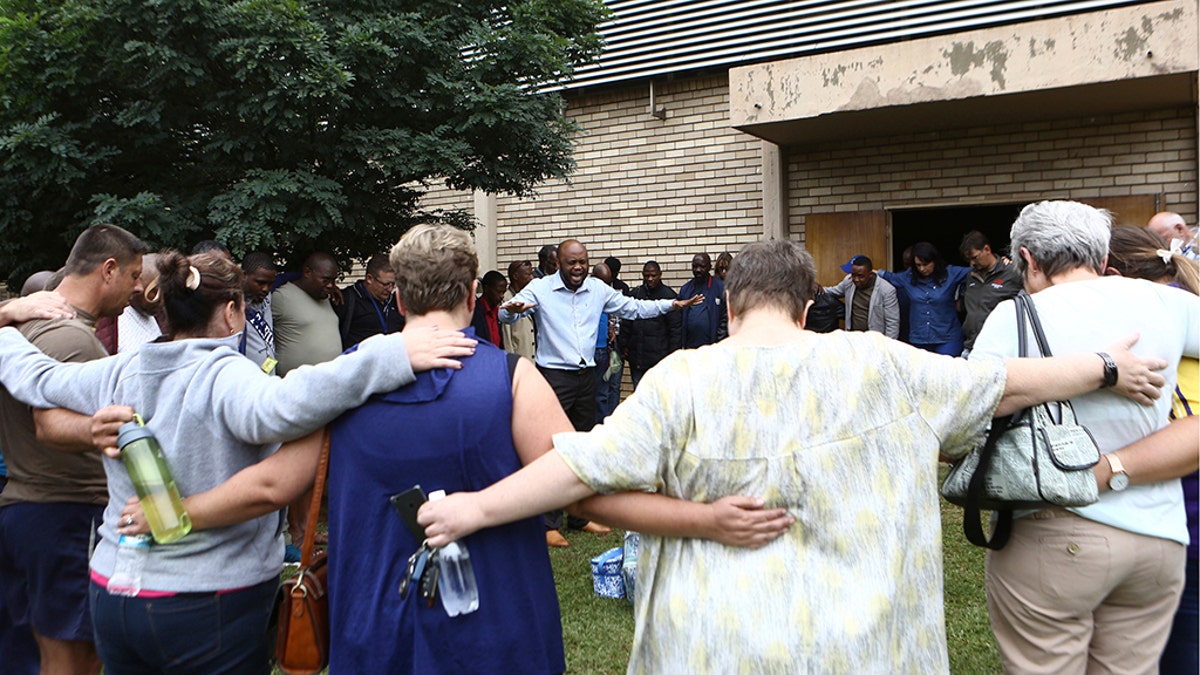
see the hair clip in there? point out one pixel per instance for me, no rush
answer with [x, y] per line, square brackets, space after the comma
[1166, 255]
[193, 280]
[152, 291]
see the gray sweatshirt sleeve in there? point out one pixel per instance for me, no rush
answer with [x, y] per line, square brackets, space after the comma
[257, 408]
[42, 382]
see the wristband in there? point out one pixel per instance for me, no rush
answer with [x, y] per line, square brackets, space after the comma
[1110, 370]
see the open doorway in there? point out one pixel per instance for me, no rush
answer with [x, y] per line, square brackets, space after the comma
[944, 227]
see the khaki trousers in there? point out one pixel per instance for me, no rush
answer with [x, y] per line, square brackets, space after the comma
[1069, 595]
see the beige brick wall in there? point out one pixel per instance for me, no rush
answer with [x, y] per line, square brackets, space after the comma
[1152, 152]
[644, 188]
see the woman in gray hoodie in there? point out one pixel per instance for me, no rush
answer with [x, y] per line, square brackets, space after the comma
[206, 599]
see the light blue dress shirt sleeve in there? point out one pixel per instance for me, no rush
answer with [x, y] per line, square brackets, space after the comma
[568, 321]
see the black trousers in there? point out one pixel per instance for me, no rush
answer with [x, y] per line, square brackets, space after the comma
[576, 392]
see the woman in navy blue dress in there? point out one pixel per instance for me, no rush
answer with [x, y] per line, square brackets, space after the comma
[932, 287]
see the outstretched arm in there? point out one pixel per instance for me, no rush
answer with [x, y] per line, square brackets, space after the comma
[733, 521]
[63, 430]
[1059, 378]
[1170, 452]
[257, 408]
[541, 486]
[546, 484]
[40, 305]
[255, 491]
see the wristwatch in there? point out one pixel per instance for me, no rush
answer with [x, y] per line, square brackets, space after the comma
[1119, 479]
[1110, 370]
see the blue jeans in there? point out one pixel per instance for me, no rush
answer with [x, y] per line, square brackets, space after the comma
[945, 348]
[614, 394]
[197, 633]
[602, 392]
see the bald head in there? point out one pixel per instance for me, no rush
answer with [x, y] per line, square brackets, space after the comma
[603, 272]
[318, 276]
[572, 263]
[36, 282]
[1169, 225]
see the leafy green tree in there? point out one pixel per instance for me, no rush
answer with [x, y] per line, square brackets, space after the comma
[279, 125]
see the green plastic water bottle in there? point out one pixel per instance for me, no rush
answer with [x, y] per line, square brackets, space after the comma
[153, 482]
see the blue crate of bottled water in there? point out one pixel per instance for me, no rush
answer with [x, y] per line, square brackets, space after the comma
[607, 581]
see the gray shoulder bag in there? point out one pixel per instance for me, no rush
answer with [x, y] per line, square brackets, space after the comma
[1037, 458]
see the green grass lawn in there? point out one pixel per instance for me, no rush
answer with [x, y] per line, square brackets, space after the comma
[597, 631]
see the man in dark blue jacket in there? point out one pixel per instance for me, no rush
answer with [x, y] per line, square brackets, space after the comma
[369, 305]
[707, 322]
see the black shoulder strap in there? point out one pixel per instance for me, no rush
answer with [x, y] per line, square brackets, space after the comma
[972, 507]
[1038, 334]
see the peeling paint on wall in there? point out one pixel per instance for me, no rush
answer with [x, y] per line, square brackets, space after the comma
[964, 57]
[1085, 49]
[1035, 50]
[833, 76]
[1130, 44]
[868, 95]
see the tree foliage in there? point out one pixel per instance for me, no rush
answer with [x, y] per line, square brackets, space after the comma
[272, 124]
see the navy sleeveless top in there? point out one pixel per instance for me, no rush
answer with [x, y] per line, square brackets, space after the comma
[450, 430]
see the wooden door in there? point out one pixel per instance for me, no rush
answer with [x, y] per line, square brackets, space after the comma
[834, 238]
[1131, 210]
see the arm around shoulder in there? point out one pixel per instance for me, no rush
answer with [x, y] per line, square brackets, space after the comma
[839, 291]
[536, 413]
[257, 490]
[1170, 452]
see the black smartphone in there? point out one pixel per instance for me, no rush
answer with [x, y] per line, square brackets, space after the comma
[407, 504]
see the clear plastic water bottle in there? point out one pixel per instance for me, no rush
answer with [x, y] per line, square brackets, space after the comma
[456, 577]
[143, 459]
[132, 552]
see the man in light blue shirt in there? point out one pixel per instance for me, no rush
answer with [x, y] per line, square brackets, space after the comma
[566, 310]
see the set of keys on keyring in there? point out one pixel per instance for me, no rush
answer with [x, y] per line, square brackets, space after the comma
[423, 567]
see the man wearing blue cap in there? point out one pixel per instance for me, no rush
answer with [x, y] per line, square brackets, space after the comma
[870, 301]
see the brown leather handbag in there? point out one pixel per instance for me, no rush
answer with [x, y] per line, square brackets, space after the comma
[302, 608]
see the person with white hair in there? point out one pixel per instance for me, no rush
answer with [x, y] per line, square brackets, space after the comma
[1170, 227]
[1091, 589]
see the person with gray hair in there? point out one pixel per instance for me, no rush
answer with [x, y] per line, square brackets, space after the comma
[1091, 588]
[856, 585]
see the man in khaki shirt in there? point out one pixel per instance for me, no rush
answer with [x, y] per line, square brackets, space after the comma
[519, 336]
[56, 489]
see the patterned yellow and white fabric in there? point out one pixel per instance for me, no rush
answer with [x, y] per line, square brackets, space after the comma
[843, 430]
